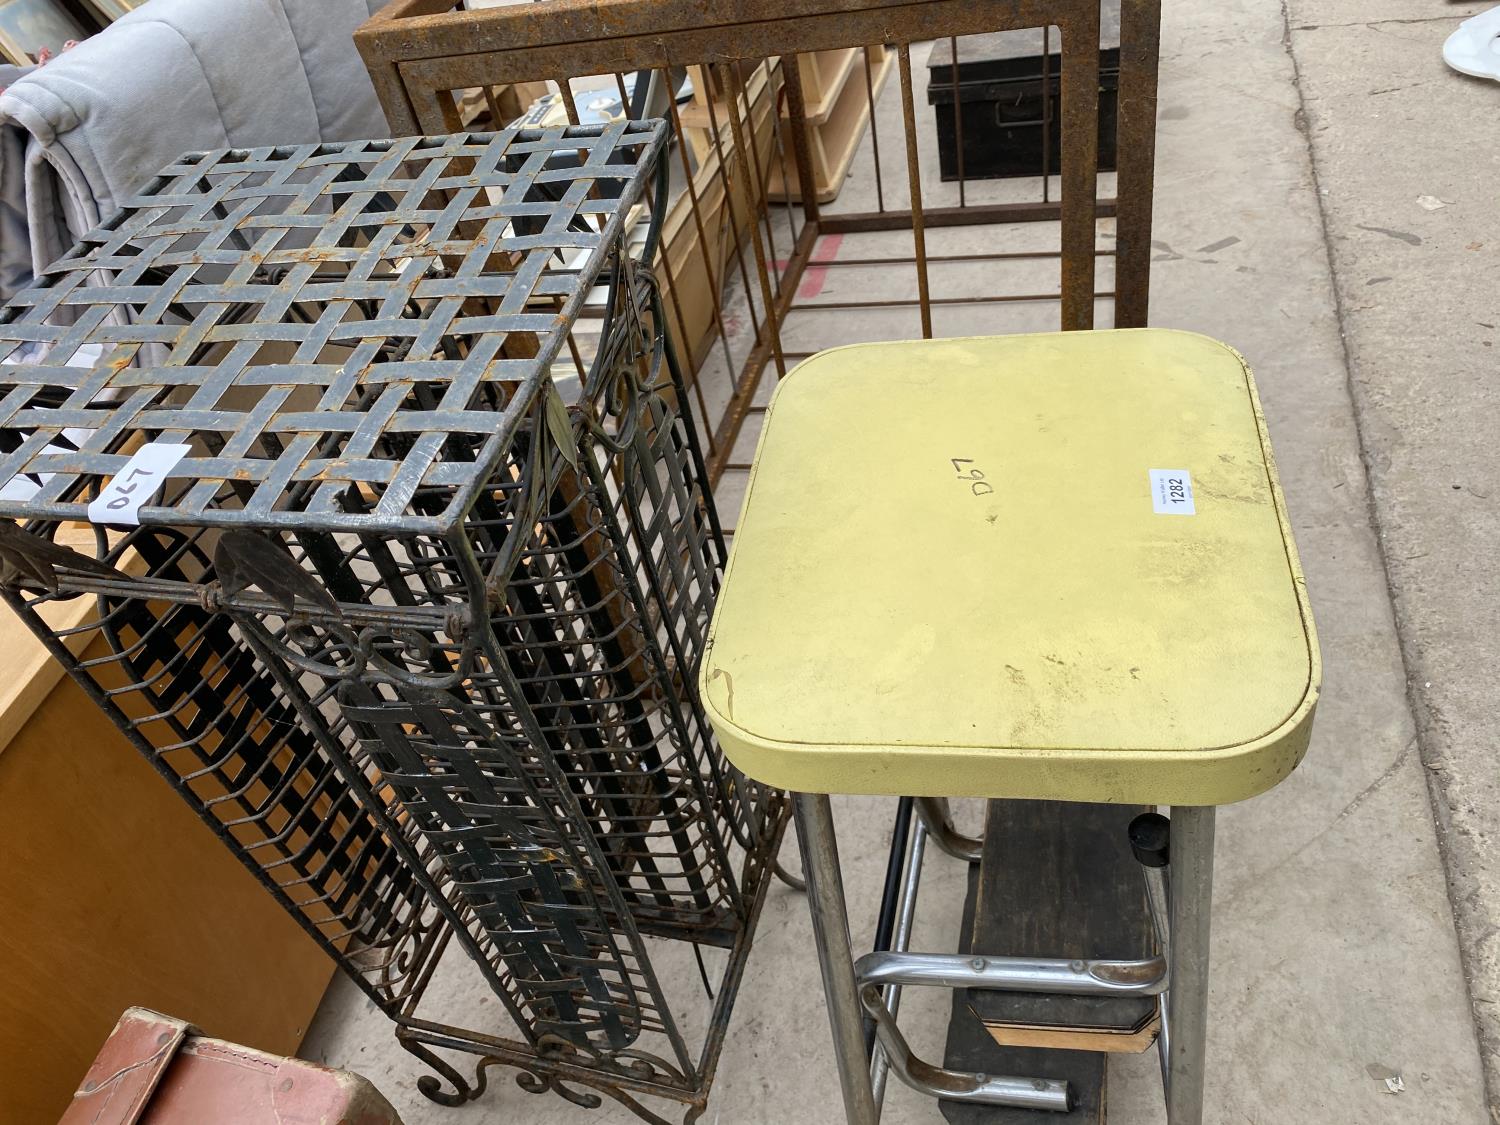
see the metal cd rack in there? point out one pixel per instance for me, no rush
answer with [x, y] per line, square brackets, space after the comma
[413, 635]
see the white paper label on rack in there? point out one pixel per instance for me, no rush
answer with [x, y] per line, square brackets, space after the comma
[1172, 492]
[120, 500]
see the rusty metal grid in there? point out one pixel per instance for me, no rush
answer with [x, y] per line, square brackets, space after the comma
[430, 59]
[417, 289]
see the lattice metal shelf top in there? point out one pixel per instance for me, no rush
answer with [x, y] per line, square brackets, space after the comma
[330, 327]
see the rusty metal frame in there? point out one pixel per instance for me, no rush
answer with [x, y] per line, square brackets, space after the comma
[421, 52]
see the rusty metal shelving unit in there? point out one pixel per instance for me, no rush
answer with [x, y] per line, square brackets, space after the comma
[424, 55]
[414, 637]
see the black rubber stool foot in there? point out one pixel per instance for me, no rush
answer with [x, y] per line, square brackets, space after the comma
[1150, 839]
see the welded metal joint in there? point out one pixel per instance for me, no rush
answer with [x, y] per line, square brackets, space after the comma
[937, 818]
[954, 1085]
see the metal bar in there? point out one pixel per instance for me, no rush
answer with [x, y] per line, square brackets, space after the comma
[1135, 163]
[1146, 976]
[961, 1086]
[1080, 162]
[760, 181]
[734, 972]
[1047, 112]
[914, 178]
[915, 851]
[825, 898]
[1192, 868]
[938, 819]
[958, 120]
[570, 107]
[730, 216]
[859, 222]
[557, 303]
[899, 303]
[779, 142]
[687, 343]
[739, 403]
[796, 108]
[742, 146]
[1159, 899]
[709, 271]
[565, 35]
[875, 126]
[905, 260]
[885, 922]
[497, 116]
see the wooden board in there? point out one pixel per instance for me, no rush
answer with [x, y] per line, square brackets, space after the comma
[835, 140]
[30, 672]
[113, 893]
[824, 74]
[971, 1048]
[1058, 880]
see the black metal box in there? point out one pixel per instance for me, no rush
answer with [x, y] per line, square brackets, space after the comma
[1008, 87]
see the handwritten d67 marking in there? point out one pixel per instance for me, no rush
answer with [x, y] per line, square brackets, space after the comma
[973, 477]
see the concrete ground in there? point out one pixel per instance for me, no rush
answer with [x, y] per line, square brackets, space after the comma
[1289, 223]
[1416, 259]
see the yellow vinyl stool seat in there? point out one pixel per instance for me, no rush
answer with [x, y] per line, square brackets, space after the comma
[1054, 566]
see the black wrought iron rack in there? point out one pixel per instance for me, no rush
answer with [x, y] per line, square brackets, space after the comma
[412, 634]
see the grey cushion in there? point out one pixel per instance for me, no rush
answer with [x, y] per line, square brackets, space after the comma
[175, 76]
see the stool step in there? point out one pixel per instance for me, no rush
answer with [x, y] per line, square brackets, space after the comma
[1057, 879]
[971, 1048]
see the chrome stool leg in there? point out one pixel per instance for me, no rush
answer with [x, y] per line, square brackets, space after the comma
[1184, 1030]
[825, 898]
[1192, 880]
[937, 817]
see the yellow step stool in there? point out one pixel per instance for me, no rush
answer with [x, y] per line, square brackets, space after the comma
[1031, 567]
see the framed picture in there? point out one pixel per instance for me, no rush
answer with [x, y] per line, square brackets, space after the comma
[26, 26]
